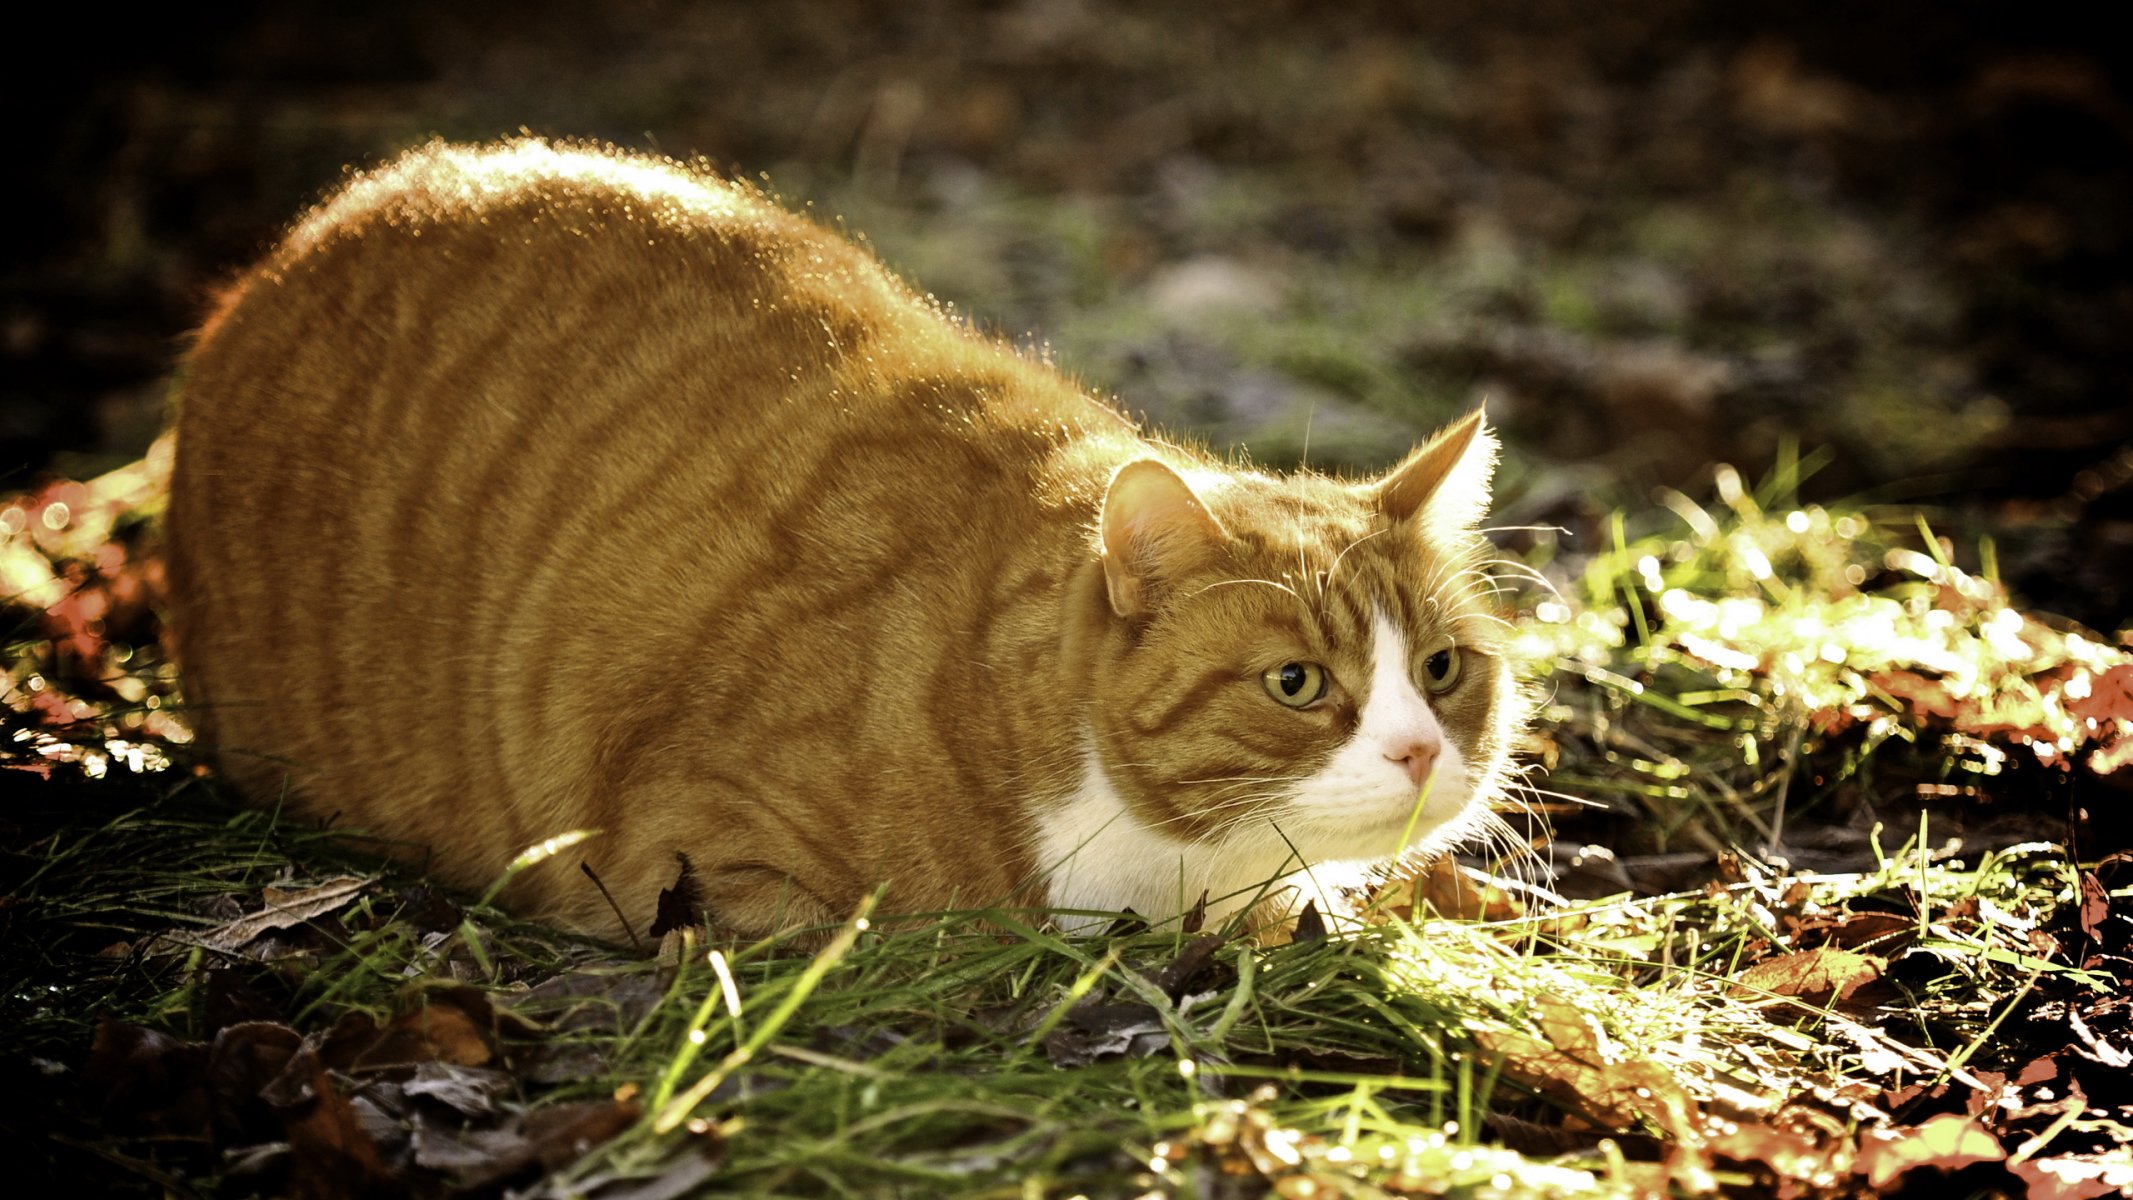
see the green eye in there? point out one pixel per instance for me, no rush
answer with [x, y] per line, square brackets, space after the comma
[1295, 684]
[1441, 670]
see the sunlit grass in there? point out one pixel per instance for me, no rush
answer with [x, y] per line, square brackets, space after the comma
[916, 1056]
[1730, 643]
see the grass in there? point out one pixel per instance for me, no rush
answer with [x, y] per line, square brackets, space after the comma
[929, 1056]
[1721, 680]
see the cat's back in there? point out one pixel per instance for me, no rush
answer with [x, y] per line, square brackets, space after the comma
[451, 256]
[461, 290]
[497, 431]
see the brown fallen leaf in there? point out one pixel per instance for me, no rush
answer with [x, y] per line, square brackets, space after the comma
[2095, 906]
[1848, 930]
[284, 909]
[2094, 1046]
[531, 1143]
[1094, 1031]
[146, 1082]
[1806, 1161]
[388, 1118]
[1181, 971]
[605, 1001]
[453, 1025]
[333, 1157]
[1310, 924]
[2105, 698]
[1450, 890]
[242, 1061]
[1195, 919]
[2076, 1176]
[1577, 1065]
[1947, 1142]
[1817, 977]
[682, 905]
[469, 1091]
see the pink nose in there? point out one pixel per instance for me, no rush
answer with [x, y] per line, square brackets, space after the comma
[1418, 759]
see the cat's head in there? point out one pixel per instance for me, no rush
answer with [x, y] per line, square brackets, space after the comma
[1306, 663]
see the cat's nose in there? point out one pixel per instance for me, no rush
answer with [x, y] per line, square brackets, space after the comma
[1418, 758]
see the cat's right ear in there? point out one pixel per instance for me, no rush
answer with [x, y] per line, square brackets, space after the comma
[1154, 528]
[1445, 483]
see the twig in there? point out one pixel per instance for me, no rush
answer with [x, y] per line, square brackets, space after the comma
[609, 897]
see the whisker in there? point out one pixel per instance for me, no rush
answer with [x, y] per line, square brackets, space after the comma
[1255, 802]
[1224, 793]
[1566, 797]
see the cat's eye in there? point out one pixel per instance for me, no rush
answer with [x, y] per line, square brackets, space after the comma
[1295, 684]
[1441, 670]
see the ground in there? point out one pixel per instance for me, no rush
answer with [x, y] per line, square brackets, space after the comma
[1877, 262]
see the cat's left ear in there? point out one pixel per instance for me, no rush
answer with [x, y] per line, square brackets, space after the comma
[1445, 482]
[1154, 531]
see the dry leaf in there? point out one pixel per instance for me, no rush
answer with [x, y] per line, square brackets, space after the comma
[1095, 1031]
[334, 1158]
[1817, 977]
[1788, 1153]
[2109, 698]
[2095, 906]
[683, 1175]
[2093, 1046]
[243, 1060]
[1947, 1142]
[1188, 965]
[469, 1091]
[532, 1142]
[1196, 919]
[2076, 1176]
[1581, 1068]
[607, 1001]
[681, 906]
[1448, 889]
[283, 910]
[1850, 930]
[1310, 924]
[147, 1082]
[454, 1025]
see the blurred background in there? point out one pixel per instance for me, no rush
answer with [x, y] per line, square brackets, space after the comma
[1654, 236]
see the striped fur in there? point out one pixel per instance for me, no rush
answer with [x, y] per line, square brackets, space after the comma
[528, 488]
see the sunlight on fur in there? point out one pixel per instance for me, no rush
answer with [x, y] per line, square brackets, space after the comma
[678, 516]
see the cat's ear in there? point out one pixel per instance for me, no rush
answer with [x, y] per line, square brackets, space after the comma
[1445, 482]
[1154, 528]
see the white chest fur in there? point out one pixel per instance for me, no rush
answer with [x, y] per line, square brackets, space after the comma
[1328, 828]
[1098, 855]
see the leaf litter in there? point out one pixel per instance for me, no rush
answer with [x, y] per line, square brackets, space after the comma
[286, 1018]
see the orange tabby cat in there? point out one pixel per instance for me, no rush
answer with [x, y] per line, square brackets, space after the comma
[528, 488]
